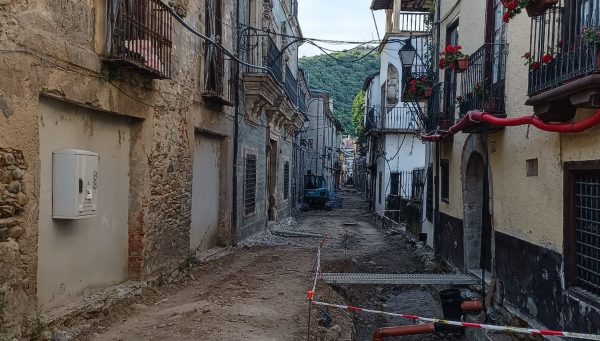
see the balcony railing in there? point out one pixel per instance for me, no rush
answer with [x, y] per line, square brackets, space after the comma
[482, 84]
[441, 107]
[274, 60]
[559, 49]
[302, 103]
[141, 36]
[396, 119]
[291, 86]
[412, 22]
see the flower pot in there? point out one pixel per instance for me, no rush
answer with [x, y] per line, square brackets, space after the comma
[538, 7]
[427, 92]
[462, 64]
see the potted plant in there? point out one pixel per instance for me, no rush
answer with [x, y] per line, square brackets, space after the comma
[454, 59]
[533, 7]
[419, 87]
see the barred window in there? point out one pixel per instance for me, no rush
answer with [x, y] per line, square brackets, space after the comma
[286, 180]
[582, 232]
[250, 184]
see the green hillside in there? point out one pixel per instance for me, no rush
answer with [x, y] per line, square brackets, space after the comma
[342, 79]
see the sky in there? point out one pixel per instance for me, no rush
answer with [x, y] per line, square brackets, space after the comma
[348, 20]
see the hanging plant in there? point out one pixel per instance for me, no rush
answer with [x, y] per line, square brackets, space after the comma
[419, 87]
[547, 59]
[533, 7]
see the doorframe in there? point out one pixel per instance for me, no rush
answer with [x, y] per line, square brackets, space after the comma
[476, 143]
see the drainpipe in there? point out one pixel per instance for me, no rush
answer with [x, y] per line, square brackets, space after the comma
[236, 139]
[484, 117]
[427, 328]
[381, 333]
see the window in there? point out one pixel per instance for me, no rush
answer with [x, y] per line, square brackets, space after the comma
[395, 183]
[380, 186]
[445, 175]
[286, 180]
[214, 63]
[429, 207]
[250, 184]
[310, 143]
[140, 35]
[582, 226]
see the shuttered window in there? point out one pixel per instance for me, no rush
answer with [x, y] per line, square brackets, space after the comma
[249, 184]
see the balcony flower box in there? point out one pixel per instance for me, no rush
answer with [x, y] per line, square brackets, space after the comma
[538, 7]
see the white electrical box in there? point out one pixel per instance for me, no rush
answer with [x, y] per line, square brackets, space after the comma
[74, 184]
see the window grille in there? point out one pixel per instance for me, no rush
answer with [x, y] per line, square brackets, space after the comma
[286, 180]
[214, 66]
[250, 184]
[587, 230]
[141, 35]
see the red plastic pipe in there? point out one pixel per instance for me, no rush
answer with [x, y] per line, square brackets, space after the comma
[471, 306]
[381, 333]
[484, 117]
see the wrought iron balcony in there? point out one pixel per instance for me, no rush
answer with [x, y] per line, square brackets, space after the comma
[391, 120]
[141, 36]
[274, 60]
[563, 61]
[483, 84]
[441, 107]
[291, 86]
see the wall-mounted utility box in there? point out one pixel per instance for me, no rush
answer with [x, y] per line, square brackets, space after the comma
[74, 184]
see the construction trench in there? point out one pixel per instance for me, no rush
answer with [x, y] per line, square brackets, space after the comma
[258, 290]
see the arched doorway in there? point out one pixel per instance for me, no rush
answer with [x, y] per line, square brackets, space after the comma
[477, 217]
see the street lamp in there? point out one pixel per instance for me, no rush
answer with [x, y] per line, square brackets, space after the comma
[407, 54]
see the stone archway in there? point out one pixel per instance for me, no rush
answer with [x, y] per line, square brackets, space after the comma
[478, 236]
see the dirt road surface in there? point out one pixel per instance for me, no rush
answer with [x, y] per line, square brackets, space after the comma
[258, 291]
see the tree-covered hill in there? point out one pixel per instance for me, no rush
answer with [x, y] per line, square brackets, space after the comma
[342, 79]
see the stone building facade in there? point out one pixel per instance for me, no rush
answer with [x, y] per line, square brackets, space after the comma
[272, 110]
[157, 104]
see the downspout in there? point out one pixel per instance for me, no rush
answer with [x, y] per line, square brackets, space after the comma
[436, 176]
[236, 138]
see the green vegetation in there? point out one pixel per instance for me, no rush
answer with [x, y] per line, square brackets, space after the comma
[343, 79]
[358, 120]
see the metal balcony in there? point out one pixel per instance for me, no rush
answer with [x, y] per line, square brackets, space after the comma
[141, 36]
[391, 120]
[441, 107]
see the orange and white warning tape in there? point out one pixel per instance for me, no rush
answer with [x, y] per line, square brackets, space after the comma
[466, 324]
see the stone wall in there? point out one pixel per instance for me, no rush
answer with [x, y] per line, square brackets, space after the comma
[12, 199]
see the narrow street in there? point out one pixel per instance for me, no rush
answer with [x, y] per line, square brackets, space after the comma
[258, 291]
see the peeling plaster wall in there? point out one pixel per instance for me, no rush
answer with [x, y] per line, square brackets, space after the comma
[64, 42]
[76, 256]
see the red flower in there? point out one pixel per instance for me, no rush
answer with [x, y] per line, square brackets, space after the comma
[535, 66]
[450, 49]
[442, 63]
[506, 17]
[548, 58]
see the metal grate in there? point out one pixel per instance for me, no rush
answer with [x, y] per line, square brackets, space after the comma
[395, 279]
[141, 32]
[587, 230]
[250, 184]
[274, 60]
[291, 86]
[286, 180]
[418, 184]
